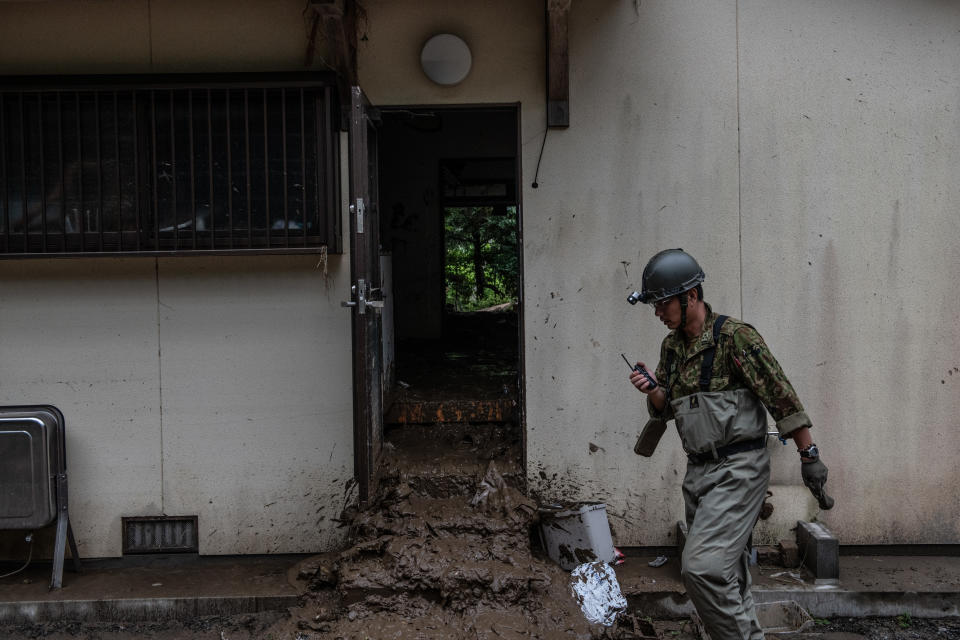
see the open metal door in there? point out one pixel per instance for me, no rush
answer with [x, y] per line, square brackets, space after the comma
[366, 295]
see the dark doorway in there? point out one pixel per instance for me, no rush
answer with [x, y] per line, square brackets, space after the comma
[450, 229]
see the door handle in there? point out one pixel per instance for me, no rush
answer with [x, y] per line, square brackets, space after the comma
[353, 303]
[375, 299]
[361, 303]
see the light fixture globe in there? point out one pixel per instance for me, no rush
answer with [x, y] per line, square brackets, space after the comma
[446, 59]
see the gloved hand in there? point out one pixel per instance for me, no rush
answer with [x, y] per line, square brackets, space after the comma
[815, 478]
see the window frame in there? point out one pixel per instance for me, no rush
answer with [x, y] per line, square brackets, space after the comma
[325, 164]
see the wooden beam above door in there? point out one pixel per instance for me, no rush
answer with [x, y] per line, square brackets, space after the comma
[558, 63]
[336, 22]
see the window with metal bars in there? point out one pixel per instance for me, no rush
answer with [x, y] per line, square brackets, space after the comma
[173, 164]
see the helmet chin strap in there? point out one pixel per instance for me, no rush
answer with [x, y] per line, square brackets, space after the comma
[683, 311]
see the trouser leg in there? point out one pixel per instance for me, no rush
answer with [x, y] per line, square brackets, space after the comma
[749, 608]
[723, 500]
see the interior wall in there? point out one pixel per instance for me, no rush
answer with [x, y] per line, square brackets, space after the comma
[410, 204]
[209, 386]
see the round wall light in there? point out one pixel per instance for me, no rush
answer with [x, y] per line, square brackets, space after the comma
[446, 59]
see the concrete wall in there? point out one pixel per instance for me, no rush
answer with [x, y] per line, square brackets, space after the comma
[649, 162]
[805, 153]
[138, 36]
[217, 387]
[850, 145]
[829, 222]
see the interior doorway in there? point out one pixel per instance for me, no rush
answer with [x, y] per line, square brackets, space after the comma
[450, 230]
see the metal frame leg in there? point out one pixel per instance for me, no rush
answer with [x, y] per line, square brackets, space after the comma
[73, 548]
[64, 536]
[59, 549]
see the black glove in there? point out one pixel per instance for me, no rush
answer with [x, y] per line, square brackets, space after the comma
[815, 478]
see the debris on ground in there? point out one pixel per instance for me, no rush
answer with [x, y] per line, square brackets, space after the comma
[788, 577]
[598, 593]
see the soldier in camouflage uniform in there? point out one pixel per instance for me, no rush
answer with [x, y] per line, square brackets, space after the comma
[714, 379]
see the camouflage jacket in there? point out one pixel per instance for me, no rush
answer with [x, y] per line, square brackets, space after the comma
[742, 360]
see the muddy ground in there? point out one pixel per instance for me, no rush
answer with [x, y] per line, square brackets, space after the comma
[283, 626]
[444, 552]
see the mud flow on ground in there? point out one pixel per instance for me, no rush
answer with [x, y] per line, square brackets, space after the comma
[444, 549]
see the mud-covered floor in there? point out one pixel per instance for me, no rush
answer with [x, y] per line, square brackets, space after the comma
[476, 358]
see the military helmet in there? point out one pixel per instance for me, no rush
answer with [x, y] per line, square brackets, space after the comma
[669, 273]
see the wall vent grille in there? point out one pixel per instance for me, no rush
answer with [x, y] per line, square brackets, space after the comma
[160, 534]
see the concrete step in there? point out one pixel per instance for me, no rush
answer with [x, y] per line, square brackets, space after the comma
[415, 514]
[884, 586]
[435, 568]
[449, 524]
[429, 411]
[150, 588]
[450, 460]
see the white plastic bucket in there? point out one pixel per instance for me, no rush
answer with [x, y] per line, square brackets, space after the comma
[574, 535]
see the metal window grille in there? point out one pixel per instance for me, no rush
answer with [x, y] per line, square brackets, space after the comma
[168, 165]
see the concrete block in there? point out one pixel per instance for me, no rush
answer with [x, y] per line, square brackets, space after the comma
[820, 551]
[789, 553]
[768, 555]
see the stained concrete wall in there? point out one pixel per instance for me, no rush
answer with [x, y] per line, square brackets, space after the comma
[850, 146]
[649, 162]
[805, 153]
[829, 222]
[209, 386]
[217, 387]
[82, 335]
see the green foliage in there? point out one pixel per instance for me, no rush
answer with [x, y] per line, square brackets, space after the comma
[481, 263]
[903, 620]
[821, 621]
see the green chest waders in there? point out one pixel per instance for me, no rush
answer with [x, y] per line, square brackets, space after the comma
[724, 436]
[714, 423]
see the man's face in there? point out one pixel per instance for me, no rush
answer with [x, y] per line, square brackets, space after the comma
[668, 311]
